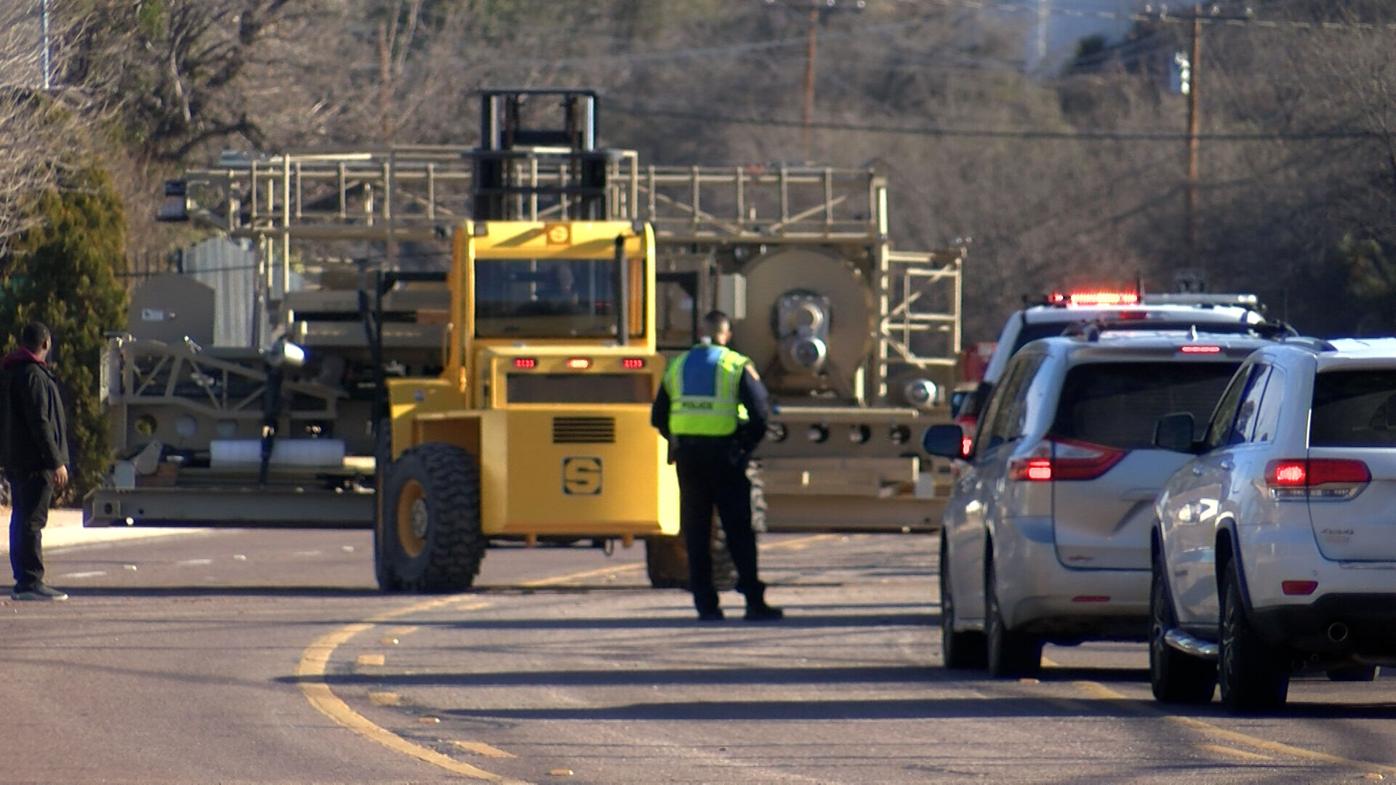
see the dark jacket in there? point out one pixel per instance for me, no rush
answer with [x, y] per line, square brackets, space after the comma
[35, 431]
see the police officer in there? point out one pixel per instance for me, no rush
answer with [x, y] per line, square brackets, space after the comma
[713, 410]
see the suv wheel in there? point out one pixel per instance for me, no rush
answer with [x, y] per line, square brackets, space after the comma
[1010, 653]
[1252, 676]
[959, 650]
[1175, 676]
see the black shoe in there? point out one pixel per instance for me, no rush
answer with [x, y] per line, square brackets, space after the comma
[764, 612]
[40, 593]
[715, 614]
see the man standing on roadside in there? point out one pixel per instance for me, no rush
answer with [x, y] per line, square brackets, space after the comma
[35, 456]
[713, 410]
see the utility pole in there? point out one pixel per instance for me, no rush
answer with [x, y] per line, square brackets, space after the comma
[807, 112]
[1194, 130]
[44, 58]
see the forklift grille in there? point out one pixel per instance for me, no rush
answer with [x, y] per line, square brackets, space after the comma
[584, 430]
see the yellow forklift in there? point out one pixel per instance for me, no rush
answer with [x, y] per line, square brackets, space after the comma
[538, 427]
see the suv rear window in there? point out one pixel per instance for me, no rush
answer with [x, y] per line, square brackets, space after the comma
[1354, 409]
[1117, 404]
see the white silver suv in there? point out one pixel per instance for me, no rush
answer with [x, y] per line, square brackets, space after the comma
[1275, 547]
[1046, 535]
[1116, 311]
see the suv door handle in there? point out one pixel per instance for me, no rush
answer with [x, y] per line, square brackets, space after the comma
[1227, 465]
[1197, 471]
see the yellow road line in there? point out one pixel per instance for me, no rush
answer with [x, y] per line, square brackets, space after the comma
[385, 699]
[1217, 732]
[576, 576]
[558, 580]
[311, 675]
[1232, 752]
[481, 748]
[316, 657]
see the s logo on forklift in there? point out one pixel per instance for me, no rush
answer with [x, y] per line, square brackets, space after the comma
[558, 234]
[581, 476]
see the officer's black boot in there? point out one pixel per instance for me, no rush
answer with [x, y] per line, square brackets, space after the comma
[758, 610]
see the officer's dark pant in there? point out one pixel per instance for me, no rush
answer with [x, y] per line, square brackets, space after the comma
[712, 472]
[31, 493]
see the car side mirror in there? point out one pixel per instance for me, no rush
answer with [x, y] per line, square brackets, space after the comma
[1173, 432]
[945, 441]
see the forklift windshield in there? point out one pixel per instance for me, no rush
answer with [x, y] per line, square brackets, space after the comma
[551, 298]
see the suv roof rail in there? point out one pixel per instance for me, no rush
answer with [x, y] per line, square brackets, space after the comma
[1316, 344]
[1091, 329]
[1202, 298]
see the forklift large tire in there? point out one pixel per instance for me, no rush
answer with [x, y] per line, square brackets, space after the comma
[666, 561]
[430, 533]
[758, 496]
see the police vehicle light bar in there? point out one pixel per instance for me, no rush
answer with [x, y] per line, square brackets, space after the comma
[1094, 297]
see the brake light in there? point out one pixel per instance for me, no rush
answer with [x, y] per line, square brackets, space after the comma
[525, 363]
[1316, 478]
[1197, 349]
[1070, 460]
[632, 363]
[579, 363]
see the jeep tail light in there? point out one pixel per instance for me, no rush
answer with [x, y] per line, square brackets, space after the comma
[1069, 460]
[525, 363]
[1316, 478]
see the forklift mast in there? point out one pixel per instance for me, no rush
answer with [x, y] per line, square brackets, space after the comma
[508, 139]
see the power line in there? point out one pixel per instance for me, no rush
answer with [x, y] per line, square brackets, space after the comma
[1164, 16]
[995, 133]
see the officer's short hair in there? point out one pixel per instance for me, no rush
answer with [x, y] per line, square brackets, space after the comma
[33, 335]
[714, 322]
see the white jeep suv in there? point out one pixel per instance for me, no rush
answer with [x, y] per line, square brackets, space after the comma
[1046, 535]
[1274, 548]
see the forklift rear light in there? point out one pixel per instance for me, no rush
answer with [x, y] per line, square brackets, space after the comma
[632, 363]
[579, 363]
[525, 363]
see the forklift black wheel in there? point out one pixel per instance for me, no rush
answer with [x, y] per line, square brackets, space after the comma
[428, 535]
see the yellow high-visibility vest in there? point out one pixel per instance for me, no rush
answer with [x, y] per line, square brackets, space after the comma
[703, 389]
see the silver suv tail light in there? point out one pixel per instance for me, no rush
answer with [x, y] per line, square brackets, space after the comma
[1316, 479]
[1065, 459]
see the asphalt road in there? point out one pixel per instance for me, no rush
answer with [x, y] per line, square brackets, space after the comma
[268, 657]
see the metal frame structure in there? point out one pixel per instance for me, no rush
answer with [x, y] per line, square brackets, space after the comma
[415, 193]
